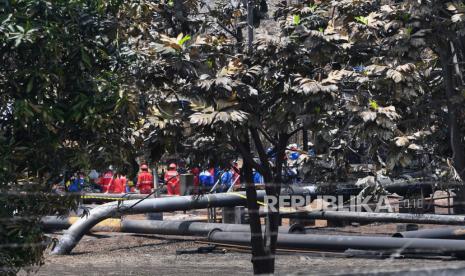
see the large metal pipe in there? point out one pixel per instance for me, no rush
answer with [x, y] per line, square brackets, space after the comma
[52, 223]
[379, 217]
[436, 233]
[341, 243]
[104, 197]
[189, 228]
[74, 234]
[401, 188]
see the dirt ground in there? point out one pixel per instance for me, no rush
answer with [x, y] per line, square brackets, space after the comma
[131, 254]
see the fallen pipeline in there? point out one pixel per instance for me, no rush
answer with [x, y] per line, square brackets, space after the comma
[342, 243]
[380, 217]
[436, 233]
[238, 234]
[168, 204]
[158, 227]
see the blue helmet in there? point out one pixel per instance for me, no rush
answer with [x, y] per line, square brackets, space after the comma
[294, 156]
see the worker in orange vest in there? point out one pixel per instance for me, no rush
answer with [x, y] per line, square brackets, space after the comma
[118, 186]
[106, 180]
[122, 183]
[112, 186]
[145, 180]
[172, 180]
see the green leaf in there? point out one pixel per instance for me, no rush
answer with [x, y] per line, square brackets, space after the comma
[296, 19]
[374, 104]
[362, 19]
[313, 7]
[184, 39]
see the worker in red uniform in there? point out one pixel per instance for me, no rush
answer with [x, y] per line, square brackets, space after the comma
[195, 171]
[118, 186]
[106, 180]
[112, 186]
[123, 181]
[172, 180]
[145, 180]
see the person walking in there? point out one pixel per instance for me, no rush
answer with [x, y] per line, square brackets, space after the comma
[145, 180]
[172, 180]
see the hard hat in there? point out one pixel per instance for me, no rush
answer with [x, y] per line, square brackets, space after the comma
[293, 146]
[144, 167]
[294, 156]
[172, 166]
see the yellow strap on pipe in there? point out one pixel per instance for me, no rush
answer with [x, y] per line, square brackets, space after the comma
[245, 197]
[103, 197]
[108, 225]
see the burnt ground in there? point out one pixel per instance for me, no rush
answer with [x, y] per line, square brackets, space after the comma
[131, 254]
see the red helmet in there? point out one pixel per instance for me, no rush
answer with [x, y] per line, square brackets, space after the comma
[172, 166]
[144, 167]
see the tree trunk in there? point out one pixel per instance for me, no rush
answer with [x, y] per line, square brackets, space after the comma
[455, 137]
[274, 189]
[261, 259]
[305, 139]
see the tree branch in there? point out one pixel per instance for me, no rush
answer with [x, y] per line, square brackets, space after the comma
[294, 132]
[262, 154]
[245, 154]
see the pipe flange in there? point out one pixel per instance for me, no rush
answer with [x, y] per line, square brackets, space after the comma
[296, 228]
[213, 231]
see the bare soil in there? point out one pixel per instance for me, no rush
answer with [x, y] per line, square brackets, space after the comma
[131, 254]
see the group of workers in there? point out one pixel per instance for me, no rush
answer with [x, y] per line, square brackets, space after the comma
[219, 179]
[117, 183]
[223, 178]
[107, 182]
[206, 179]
